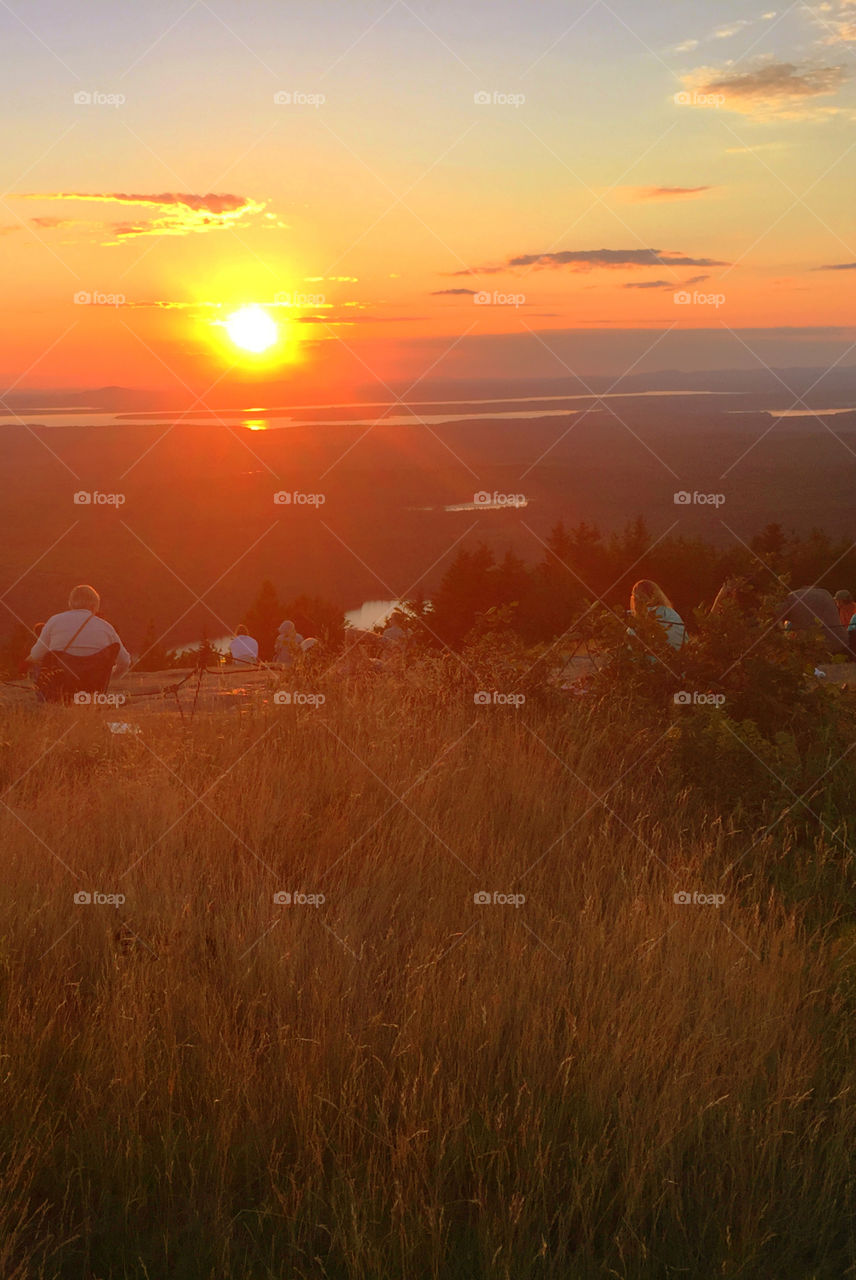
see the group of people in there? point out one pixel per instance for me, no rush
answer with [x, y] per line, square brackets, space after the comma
[806, 609]
[78, 648]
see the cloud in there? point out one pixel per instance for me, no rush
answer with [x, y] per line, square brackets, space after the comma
[179, 213]
[589, 259]
[662, 284]
[50, 224]
[439, 293]
[780, 89]
[725, 32]
[838, 20]
[666, 193]
[649, 284]
[837, 266]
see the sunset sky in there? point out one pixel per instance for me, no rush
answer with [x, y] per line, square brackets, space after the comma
[399, 184]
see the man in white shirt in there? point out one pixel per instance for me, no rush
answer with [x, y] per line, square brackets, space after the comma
[79, 631]
[244, 648]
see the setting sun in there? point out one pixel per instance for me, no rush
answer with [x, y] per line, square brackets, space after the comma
[252, 329]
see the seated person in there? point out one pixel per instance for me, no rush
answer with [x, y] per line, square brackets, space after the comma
[78, 632]
[813, 608]
[243, 648]
[846, 607]
[647, 597]
[288, 643]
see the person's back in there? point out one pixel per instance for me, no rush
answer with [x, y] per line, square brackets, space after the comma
[673, 624]
[79, 632]
[810, 608]
[846, 607]
[77, 651]
[647, 597]
[288, 644]
[243, 648]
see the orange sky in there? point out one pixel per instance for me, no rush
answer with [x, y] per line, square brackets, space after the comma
[386, 174]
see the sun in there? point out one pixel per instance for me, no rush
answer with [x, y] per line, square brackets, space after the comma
[251, 329]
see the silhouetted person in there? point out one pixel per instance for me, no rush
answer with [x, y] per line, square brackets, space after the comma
[243, 648]
[813, 609]
[648, 597]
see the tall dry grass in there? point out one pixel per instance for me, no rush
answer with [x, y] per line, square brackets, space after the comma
[402, 1083]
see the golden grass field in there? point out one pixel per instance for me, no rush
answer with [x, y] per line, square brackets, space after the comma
[400, 1082]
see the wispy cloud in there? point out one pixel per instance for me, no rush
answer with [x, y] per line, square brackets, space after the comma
[838, 20]
[769, 89]
[440, 293]
[592, 259]
[837, 266]
[662, 284]
[179, 213]
[666, 193]
[725, 32]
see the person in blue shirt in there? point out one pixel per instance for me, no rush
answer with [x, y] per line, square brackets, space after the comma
[646, 596]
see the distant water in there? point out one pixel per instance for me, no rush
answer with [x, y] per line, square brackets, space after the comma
[795, 413]
[267, 419]
[371, 613]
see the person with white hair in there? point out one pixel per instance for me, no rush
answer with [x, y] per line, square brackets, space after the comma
[77, 649]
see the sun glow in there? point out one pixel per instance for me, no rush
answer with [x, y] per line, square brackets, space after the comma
[252, 329]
